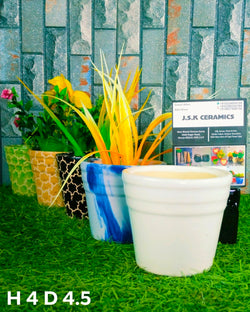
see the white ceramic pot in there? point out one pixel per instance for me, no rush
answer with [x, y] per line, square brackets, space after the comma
[176, 220]
[107, 207]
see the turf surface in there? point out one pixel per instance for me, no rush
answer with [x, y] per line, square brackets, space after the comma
[44, 250]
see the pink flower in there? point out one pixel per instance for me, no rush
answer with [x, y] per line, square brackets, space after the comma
[16, 121]
[7, 94]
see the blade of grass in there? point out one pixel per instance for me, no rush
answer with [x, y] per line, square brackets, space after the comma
[160, 137]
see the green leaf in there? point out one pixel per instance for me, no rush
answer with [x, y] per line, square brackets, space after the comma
[56, 88]
[46, 99]
[13, 90]
[11, 105]
[63, 93]
[28, 105]
[105, 131]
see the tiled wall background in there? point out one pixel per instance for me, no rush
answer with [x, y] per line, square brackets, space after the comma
[188, 49]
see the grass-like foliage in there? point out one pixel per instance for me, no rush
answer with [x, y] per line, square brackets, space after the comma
[58, 127]
[42, 249]
[117, 124]
[115, 134]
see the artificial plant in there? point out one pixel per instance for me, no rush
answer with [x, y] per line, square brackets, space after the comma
[115, 134]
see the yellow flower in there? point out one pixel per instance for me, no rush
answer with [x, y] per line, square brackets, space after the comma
[79, 98]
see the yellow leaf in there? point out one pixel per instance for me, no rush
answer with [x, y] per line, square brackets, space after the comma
[158, 120]
[80, 98]
[62, 83]
[90, 123]
[160, 137]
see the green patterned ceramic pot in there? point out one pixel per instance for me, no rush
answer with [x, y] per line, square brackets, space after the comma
[21, 175]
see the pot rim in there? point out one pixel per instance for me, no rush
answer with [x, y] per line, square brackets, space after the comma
[32, 151]
[23, 146]
[95, 160]
[222, 176]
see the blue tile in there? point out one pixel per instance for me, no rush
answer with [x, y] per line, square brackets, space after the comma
[153, 13]
[202, 57]
[152, 56]
[56, 13]
[129, 64]
[105, 13]
[176, 79]
[9, 54]
[248, 142]
[245, 77]
[105, 41]
[33, 77]
[200, 93]
[204, 13]
[80, 73]
[32, 26]
[155, 103]
[56, 52]
[9, 13]
[80, 26]
[227, 73]
[229, 28]
[178, 26]
[167, 144]
[247, 14]
[128, 26]
[97, 91]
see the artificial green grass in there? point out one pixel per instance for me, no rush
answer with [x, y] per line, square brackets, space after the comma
[42, 249]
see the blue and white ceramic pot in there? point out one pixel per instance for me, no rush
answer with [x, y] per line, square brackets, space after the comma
[107, 208]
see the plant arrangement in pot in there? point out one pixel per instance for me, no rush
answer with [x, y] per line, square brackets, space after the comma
[41, 141]
[60, 130]
[118, 146]
[53, 132]
[36, 171]
[73, 191]
[240, 157]
[235, 156]
[17, 156]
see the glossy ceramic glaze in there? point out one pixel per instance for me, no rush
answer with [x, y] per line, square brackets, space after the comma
[46, 176]
[21, 175]
[73, 191]
[107, 208]
[176, 222]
